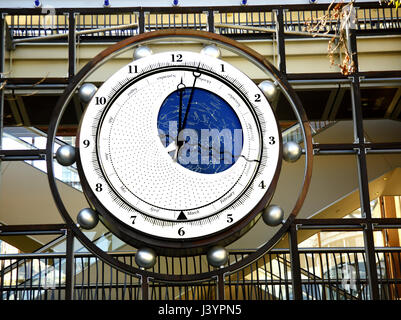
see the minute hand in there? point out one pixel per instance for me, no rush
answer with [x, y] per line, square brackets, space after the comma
[196, 74]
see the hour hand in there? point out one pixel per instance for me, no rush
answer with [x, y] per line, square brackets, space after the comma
[180, 88]
[196, 75]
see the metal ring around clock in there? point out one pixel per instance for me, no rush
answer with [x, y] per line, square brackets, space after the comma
[229, 44]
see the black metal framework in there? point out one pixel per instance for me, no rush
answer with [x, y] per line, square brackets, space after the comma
[41, 277]
[372, 284]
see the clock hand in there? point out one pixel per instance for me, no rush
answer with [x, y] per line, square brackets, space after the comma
[196, 75]
[181, 88]
[174, 145]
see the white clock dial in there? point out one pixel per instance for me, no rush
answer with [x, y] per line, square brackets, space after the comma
[178, 146]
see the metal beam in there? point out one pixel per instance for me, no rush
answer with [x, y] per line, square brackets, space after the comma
[397, 110]
[22, 155]
[281, 40]
[380, 78]
[69, 272]
[15, 111]
[330, 103]
[337, 102]
[295, 263]
[336, 222]
[396, 99]
[33, 228]
[2, 82]
[150, 3]
[22, 110]
[145, 287]
[210, 21]
[220, 287]
[362, 167]
[141, 20]
[77, 107]
[71, 45]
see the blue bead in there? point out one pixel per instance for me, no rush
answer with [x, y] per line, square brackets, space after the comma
[37, 3]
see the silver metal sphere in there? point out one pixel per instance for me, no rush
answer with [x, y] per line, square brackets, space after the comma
[217, 256]
[65, 155]
[273, 215]
[292, 151]
[269, 89]
[211, 50]
[142, 52]
[87, 218]
[145, 258]
[86, 92]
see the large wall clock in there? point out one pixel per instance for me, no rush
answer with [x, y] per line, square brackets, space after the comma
[179, 151]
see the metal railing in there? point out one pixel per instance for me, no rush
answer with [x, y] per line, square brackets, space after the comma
[370, 19]
[327, 274]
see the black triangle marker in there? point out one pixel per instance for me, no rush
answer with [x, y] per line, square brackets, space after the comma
[182, 216]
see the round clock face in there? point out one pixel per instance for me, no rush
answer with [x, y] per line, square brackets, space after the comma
[179, 150]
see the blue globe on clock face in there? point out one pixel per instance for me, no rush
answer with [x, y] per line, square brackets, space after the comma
[201, 129]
